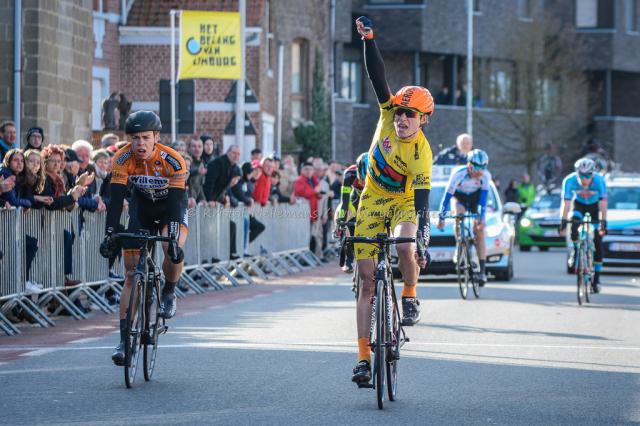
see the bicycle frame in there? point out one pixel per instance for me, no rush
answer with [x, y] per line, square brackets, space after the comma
[584, 260]
[146, 279]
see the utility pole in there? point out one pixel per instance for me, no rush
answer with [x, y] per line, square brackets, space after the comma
[470, 67]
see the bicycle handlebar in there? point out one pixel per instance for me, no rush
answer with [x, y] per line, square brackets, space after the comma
[141, 237]
[386, 240]
[462, 216]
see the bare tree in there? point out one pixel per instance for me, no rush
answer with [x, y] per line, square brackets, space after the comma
[548, 101]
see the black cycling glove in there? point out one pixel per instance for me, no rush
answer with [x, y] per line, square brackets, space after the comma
[108, 247]
[176, 254]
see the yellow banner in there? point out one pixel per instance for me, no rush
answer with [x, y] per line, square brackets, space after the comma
[210, 45]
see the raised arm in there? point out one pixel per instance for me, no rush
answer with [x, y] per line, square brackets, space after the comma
[373, 60]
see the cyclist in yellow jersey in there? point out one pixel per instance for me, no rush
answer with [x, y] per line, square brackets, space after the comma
[397, 187]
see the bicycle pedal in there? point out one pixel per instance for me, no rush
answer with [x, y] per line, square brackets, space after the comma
[365, 386]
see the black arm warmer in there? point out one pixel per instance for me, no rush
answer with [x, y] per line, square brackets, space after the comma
[421, 201]
[375, 69]
[114, 211]
[174, 210]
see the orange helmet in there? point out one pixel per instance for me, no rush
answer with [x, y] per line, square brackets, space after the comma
[414, 97]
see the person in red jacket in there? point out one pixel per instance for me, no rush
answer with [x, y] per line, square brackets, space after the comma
[306, 186]
[262, 189]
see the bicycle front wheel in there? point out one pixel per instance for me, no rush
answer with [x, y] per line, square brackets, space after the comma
[393, 351]
[462, 270]
[134, 324]
[380, 349]
[152, 328]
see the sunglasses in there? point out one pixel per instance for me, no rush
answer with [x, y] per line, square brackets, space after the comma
[477, 167]
[409, 113]
[583, 176]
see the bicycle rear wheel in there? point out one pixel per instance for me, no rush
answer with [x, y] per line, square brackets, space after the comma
[378, 362]
[589, 275]
[580, 276]
[134, 323]
[152, 328]
[356, 281]
[393, 351]
[475, 284]
[462, 270]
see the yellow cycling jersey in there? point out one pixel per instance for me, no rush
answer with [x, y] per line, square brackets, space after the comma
[397, 166]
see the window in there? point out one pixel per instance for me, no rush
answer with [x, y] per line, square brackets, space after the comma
[476, 6]
[99, 92]
[391, 2]
[298, 83]
[351, 81]
[500, 84]
[594, 14]
[524, 9]
[631, 14]
[270, 40]
[550, 99]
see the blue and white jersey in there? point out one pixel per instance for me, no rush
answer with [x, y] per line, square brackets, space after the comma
[573, 190]
[461, 181]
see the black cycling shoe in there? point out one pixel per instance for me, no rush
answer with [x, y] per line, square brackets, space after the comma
[118, 355]
[595, 285]
[168, 305]
[362, 372]
[481, 278]
[410, 311]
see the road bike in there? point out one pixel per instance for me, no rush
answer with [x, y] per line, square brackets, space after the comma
[143, 321]
[387, 335]
[584, 260]
[464, 255]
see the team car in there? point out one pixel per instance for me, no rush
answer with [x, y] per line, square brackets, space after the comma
[500, 232]
[621, 244]
[538, 226]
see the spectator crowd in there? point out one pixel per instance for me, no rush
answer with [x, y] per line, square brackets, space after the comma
[67, 177]
[76, 176]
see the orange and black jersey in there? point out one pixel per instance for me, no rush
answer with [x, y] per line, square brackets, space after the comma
[159, 181]
[150, 178]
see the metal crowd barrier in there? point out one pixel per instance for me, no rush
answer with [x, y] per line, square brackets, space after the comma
[209, 265]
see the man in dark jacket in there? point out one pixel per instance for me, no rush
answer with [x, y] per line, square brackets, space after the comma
[219, 175]
[456, 154]
[242, 192]
[7, 137]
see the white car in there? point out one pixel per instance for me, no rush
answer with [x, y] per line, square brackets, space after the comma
[499, 232]
[621, 245]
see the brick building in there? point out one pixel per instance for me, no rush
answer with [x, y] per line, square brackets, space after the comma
[56, 67]
[76, 53]
[132, 56]
[424, 42]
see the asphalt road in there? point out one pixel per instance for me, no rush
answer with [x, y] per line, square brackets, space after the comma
[282, 353]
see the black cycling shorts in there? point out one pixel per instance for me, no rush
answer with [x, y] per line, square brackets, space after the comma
[152, 217]
[579, 209]
[469, 201]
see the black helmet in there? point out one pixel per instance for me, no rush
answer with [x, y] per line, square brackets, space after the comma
[142, 121]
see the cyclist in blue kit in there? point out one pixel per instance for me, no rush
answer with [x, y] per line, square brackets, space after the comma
[584, 191]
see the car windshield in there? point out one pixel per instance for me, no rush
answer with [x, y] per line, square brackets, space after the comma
[547, 201]
[437, 192]
[623, 197]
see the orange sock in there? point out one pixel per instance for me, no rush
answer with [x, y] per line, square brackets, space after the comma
[364, 350]
[409, 290]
